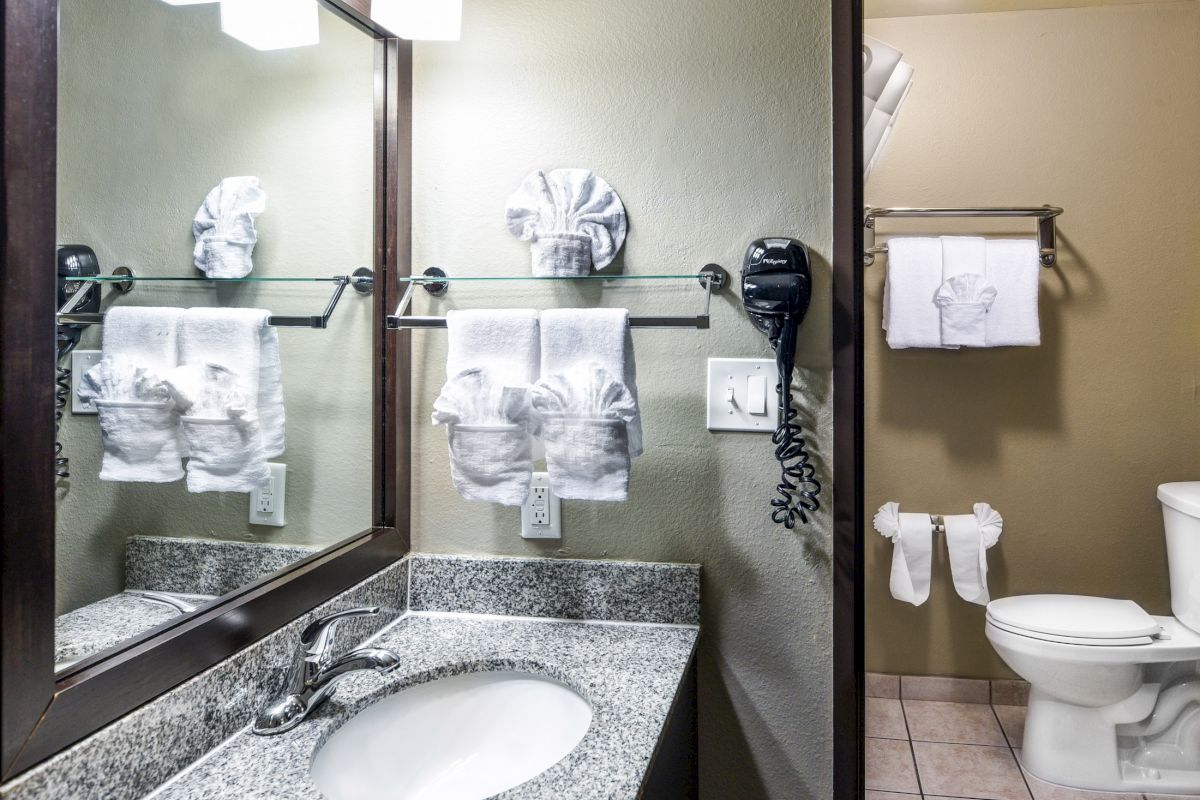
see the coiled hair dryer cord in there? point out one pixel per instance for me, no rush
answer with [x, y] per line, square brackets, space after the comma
[798, 487]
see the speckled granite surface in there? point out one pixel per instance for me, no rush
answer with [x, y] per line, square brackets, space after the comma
[110, 621]
[138, 752]
[203, 566]
[629, 674]
[552, 587]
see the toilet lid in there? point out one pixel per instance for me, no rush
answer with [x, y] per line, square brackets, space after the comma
[1054, 637]
[1099, 618]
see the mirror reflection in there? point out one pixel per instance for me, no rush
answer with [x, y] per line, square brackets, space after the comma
[211, 432]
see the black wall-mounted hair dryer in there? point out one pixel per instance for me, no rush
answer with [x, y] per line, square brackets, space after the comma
[776, 290]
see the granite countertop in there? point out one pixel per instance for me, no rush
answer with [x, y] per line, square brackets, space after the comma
[628, 672]
[110, 621]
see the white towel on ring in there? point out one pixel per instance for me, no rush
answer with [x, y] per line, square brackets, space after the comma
[968, 537]
[912, 552]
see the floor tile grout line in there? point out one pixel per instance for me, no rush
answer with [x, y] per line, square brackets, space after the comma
[912, 750]
[1012, 751]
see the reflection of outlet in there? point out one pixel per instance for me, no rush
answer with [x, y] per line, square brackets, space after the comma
[81, 362]
[542, 512]
[266, 502]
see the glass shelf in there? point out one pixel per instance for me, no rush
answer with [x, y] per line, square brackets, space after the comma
[203, 279]
[444, 278]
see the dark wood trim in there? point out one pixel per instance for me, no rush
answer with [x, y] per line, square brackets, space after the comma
[88, 699]
[848, 625]
[27, 276]
[43, 713]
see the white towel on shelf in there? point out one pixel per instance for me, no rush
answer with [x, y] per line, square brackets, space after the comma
[574, 338]
[964, 301]
[583, 416]
[240, 340]
[224, 227]
[968, 537]
[914, 274]
[573, 219]
[912, 552]
[963, 255]
[491, 361]
[1013, 267]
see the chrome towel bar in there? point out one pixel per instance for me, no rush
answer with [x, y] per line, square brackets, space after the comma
[712, 278]
[1045, 215]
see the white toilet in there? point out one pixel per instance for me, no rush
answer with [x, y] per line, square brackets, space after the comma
[1114, 703]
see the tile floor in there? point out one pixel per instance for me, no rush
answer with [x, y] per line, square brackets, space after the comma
[954, 739]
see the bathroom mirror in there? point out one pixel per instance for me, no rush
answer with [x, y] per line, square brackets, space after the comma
[132, 581]
[157, 107]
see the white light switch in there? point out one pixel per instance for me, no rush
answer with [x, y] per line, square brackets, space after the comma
[756, 395]
[741, 395]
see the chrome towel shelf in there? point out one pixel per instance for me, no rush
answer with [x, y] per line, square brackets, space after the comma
[124, 279]
[713, 278]
[1045, 215]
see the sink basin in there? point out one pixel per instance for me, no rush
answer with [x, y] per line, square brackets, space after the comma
[465, 737]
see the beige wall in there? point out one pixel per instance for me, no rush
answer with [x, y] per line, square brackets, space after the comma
[712, 121]
[156, 105]
[1095, 110]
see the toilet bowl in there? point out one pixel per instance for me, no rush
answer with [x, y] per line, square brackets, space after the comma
[1114, 701]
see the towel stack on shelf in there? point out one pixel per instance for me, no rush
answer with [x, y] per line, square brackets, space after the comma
[205, 384]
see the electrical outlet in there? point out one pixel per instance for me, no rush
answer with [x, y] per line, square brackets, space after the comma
[541, 516]
[81, 362]
[266, 502]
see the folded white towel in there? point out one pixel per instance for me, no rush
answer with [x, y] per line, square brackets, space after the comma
[963, 255]
[140, 441]
[1013, 267]
[577, 338]
[240, 340]
[912, 552]
[147, 336]
[503, 340]
[224, 227]
[574, 219]
[583, 416]
[968, 537]
[491, 360]
[964, 301]
[914, 274]
[225, 453]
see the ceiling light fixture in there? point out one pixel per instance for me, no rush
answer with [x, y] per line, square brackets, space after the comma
[432, 20]
[271, 24]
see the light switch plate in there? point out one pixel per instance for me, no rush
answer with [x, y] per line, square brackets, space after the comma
[735, 373]
[81, 362]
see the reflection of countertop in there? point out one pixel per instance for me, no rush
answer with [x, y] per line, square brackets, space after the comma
[104, 623]
[628, 672]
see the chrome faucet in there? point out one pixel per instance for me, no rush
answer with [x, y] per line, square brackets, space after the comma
[315, 672]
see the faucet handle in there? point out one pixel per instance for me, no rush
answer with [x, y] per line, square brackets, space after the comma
[317, 638]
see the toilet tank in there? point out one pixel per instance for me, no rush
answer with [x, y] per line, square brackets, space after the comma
[1181, 520]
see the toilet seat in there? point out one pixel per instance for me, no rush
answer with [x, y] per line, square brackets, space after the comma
[1074, 619]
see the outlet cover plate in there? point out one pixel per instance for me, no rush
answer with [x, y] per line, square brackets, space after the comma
[541, 515]
[735, 373]
[274, 494]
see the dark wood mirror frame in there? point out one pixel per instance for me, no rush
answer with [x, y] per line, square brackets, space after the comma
[42, 712]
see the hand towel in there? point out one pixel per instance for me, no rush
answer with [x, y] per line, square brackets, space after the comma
[963, 255]
[491, 360]
[224, 227]
[914, 274]
[912, 552]
[968, 537]
[598, 338]
[488, 434]
[583, 415]
[147, 336]
[1013, 267]
[137, 422]
[964, 301]
[240, 340]
[574, 219]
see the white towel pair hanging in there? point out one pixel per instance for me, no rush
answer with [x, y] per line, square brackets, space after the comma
[565, 377]
[968, 537]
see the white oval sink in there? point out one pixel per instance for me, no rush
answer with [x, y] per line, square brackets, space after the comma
[465, 737]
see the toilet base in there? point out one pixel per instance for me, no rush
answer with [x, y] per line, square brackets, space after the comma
[1088, 748]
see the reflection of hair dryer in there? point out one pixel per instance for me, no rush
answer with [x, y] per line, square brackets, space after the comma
[776, 290]
[74, 261]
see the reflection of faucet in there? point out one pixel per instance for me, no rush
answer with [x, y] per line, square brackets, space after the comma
[167, 599]
[314, 672]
